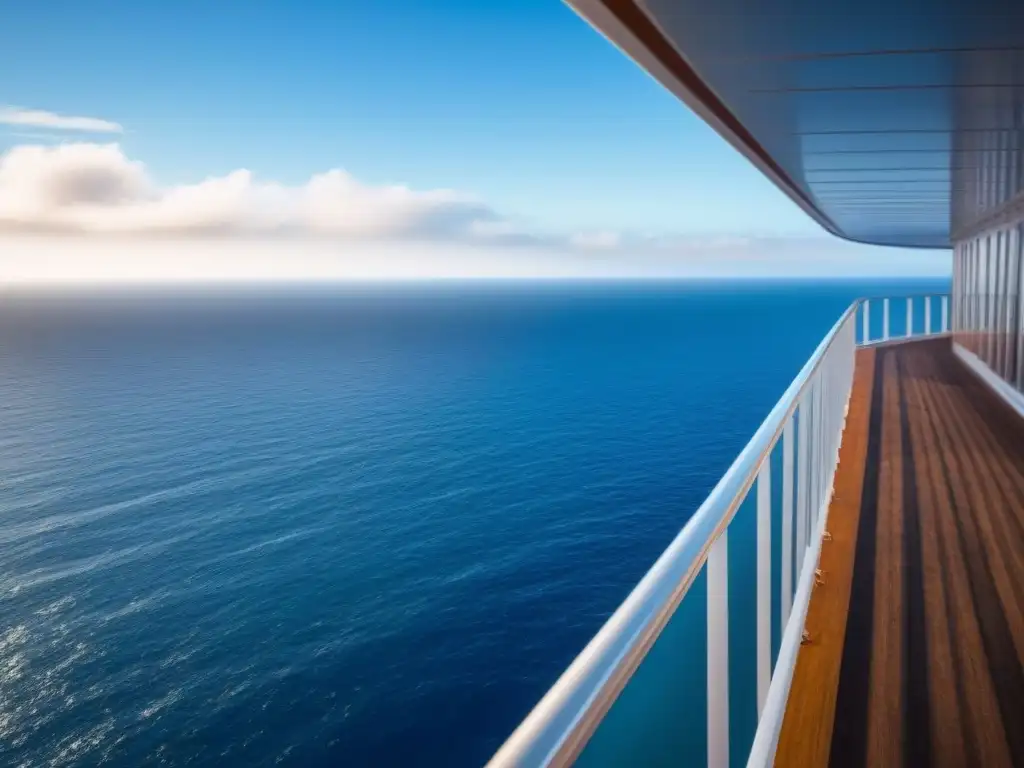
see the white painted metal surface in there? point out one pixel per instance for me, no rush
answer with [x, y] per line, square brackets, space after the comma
[885, 319]
[927, 315]
[786, 554]
[718, 652]
[764, 582]
[803, 486]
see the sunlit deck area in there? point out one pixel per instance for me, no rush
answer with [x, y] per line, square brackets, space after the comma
[914, 653]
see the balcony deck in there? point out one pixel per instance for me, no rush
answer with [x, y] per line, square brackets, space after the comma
[916, 638]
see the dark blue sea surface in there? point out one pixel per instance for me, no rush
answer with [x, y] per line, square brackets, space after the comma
[362, 526]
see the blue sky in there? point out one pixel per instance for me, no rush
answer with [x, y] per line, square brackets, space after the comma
[519, 105]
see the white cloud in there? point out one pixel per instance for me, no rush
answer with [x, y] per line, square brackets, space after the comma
[38, 118]
[333, 226]
[95, 189]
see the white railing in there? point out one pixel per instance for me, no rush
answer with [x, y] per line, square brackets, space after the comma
[915, 304]
[808, 421]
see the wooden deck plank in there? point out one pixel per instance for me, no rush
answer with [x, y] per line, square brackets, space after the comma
[885, 694]
[981, 730]
[807, 730]
[951, 745]
[917, 652]
[963, 560]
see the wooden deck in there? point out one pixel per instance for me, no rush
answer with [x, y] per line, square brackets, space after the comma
[916, 652]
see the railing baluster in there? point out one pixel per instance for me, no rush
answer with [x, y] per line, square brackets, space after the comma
[787, 520]
[885, 319]
[815, 454]
[822, 442]
[801, 483]
[910, 316]
[927, 315]
[830, 405]
[820, 449]
[718, 652]
[866, 322]
[815, 449]
[764, 582]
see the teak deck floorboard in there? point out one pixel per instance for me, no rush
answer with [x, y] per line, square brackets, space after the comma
[916, 652]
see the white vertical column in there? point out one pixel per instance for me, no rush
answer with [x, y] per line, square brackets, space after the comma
[821, 444]
[958, 289]
[802, 486]
[885, 319]
[836, 410]
[718, 652]
[851, 364]
[865, 322]
[945, 314]
[829, 443]
[764, 582]
[927, 315]
[813, 449]
[972, 270]
[787, 520]
[1009, 302]
[1019, 330]
[812, 466]
[910, 316]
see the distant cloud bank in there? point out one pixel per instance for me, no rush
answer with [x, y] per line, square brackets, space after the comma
[92, 188]
[124, 225]
[38, 118]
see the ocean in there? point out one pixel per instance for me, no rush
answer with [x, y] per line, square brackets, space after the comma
[361, 526]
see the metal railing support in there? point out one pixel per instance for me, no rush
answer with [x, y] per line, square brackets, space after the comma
[718, 652]
[787, 520]
[764, 582]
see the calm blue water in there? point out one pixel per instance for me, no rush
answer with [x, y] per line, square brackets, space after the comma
[364, 526]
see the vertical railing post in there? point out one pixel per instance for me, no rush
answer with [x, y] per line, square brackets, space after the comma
[764, 582]
[835, 385]
[910, 316]
[718, 652]
[865, 322]
[787, 521]
[851, 364]
[819, 446]
[885, 319]
[801, 483]
[812, 462]
[927, 315]
[945, 314]
[812, 451]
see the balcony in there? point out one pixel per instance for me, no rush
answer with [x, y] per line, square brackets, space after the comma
[862, 556]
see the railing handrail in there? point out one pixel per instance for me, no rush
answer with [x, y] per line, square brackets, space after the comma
[570, 711]
[897, 296]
